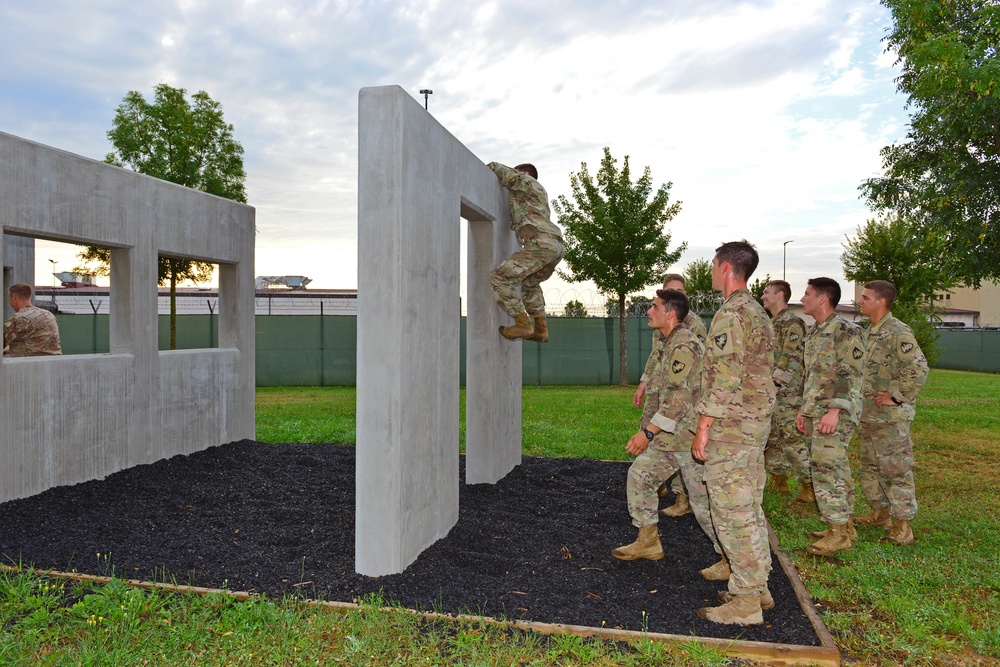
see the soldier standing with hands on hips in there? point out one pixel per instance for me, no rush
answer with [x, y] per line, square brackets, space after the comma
[895, 371]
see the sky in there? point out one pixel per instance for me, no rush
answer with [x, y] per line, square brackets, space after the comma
[765, 115]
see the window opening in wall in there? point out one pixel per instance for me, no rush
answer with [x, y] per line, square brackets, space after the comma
[188, 304]
[61, 283]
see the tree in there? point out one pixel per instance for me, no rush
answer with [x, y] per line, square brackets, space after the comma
[757, 288]
[945, 177]
[181, 141]
[575, 309]
[914, 260]
[698, 285]
[616, 234]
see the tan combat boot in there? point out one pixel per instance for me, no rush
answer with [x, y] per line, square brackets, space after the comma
[807, 497]
[718, 572]
[766, 601]
[680, 507]
[900, 534]
[852, 532]
[878, 517]
[520, 329]
[541, 334]
[779, 483]
[836, 539]
[663, 490]
[742, 609]
[647, 546]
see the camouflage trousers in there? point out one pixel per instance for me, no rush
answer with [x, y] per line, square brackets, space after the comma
[649, 470]
[527, 268]
[887, 467]
[734, 476]
[832, 481]
[786, 452]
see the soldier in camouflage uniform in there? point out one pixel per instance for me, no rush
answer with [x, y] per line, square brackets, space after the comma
[663, 443]
[734, 418]
[31, 332]
[831, 407]
[542, 248]
[692, 321]
[786, 450]
[895, 371]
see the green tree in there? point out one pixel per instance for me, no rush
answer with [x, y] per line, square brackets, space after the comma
[616, 234]
[915, 260]
[575, 309]
[757, 288]
[181, 141]
[698, 285]
[945, 177]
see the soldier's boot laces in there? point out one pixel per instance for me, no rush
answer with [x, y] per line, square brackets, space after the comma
[663, 490]
[766, 601]
[680, 507]
[742, 609]
[718, 572]
[541, 334]
[646, 547]
[878, 517]
[779, 483]
[901, 534]
[807, 496]
[852, 532]
[837, 539]
[520, 329]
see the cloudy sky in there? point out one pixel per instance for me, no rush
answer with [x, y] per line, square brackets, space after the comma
[765, 114]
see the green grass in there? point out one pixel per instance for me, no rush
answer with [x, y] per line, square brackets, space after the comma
[936, 603]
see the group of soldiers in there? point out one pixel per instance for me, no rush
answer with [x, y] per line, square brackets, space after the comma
[754, 394]
[759, 394]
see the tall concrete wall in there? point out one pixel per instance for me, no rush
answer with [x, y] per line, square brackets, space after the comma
[70, 419]
[415, 182]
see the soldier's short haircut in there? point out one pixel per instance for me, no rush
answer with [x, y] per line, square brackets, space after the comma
[741, 255]
[529, 169]
[883, 290]
[676, 301]
[20, 290]
[828, 287]
[671, 277]
[783, 287]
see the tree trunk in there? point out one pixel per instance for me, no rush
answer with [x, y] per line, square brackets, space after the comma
[173, 305]
[622, 350]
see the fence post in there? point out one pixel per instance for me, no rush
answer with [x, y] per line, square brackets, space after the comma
[322, 355]
[93, 326]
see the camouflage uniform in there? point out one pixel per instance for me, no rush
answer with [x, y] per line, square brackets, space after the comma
[893, 363]
[541, 241]
[693, 322]
[833, 361]
[672, 392]
[786, 449]
[737, 390]
[32, 332]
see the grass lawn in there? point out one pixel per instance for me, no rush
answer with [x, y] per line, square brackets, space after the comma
[936, 603]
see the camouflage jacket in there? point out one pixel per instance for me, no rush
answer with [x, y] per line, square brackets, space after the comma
[693, 322]
[789, 347]
[736, 384]
[673, 390]
[893, 363]
[529, 203]
[32, 332]
[834, 356]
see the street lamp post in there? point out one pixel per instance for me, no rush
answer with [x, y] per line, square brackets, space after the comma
[54, 262]
[425, 92]
[784, 256]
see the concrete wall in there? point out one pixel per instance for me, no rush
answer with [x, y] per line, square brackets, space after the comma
[70, 419]
[415, 182]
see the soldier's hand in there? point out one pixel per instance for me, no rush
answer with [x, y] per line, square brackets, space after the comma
[699, 443]
[640, 393]
[637, 444]
[828, 424]
[800, 422]
[884, 398]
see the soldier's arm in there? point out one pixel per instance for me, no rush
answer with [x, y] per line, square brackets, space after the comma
[680, 371]
[911, 368]
[849, 368]
[790, 366]
[508, 176]
[722, 371]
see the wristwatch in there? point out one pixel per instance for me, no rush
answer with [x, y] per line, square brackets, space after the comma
[895, 401]
[649, 434]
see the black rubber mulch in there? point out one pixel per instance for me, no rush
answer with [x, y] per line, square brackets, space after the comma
[279, 519]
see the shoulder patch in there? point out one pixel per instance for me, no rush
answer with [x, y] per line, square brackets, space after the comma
[907, 347]
[680, 364]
